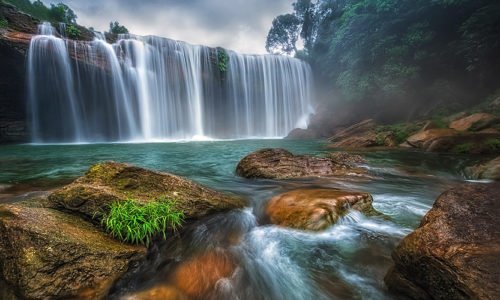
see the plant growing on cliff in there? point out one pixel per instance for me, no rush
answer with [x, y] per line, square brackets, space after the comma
[222, 60]
[137, 223]
[3, 23]
[72, 31]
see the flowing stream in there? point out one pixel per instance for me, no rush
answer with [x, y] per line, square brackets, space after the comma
[151, 88]
[346, 261]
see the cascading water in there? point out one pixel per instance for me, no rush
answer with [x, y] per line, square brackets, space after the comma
[150, 88]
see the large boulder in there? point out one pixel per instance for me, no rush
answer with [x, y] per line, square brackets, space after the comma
[362, 135]
[105, 183]
[488, 170]
[421, 139]
[476, 121]
[46, 254]
[281, 164]
[454, 252]
[316, 209]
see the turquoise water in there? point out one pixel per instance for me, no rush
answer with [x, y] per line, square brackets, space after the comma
[347, 260]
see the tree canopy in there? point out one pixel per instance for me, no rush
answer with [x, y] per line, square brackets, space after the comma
[379, 51]
[116, 28]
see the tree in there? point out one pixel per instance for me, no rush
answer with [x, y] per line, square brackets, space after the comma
[62, 13]
[116, 28]
[283, 36]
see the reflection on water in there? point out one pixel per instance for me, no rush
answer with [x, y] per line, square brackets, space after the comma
[238, 255]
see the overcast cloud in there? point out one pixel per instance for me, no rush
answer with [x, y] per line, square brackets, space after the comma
[241, 25]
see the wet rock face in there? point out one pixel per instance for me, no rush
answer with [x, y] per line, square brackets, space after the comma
[316, 209]
[454, 252]
[488, 170]
[475, 122]
[108, 182]
[49, 254]
[281, 164]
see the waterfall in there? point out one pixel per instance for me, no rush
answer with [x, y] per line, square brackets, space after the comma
[151, 88]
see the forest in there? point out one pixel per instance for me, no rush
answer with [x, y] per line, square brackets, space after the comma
[402, 59]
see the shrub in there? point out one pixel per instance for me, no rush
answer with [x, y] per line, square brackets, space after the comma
[137, 223]
[463, 148]
[3, 23]
[72, 31]
[222, 60]
[401, 131]
[493, 145]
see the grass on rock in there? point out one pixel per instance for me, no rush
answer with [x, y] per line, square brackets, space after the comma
[138, 223]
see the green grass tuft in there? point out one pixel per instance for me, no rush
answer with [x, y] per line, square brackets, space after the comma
[493, 145]
[138, 223]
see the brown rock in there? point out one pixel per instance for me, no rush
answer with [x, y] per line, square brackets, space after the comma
[359, 135]
[423, 138]
[108, 182]
[454, 252]
[302, 134]
[487, 170]
[49, 254]
[466, 143]
[471, 121]
[346, 158]
[199, 275]
[281, 164]
[316, 209]
[157, 293]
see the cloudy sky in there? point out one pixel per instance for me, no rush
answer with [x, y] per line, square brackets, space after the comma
[241, 25]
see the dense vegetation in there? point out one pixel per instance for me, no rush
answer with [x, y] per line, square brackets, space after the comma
[405, 57]
[55, 13]
[116, 28]
[138, 223]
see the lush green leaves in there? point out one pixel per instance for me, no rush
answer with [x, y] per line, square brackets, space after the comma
[222, 60]
[283, 35]
[56, 13]
[138, 223]
[116, 28]
[72, 31]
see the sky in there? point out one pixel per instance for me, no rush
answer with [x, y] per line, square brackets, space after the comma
[239, 25]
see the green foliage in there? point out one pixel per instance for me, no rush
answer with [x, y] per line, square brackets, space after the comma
[381, 52]
[463, 148]
[493, 145]
[116, 28]
[283, 35]
[56, 13]
[138, 223]
[400, 131]
[439, 122]
[72, 31]
[4, 23]
[222, 60]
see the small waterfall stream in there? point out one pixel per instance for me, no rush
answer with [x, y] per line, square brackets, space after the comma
[151, 88]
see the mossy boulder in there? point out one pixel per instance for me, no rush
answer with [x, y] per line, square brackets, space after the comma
[454, 252]
[316, 209]
[48, 254]
[275, 163]
[105, 183]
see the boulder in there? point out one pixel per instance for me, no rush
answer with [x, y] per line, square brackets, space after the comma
[476, 121]
[46, 254]
[487, 170]
[316, 209]
[359, 135]
[454, 252]
[466, 143]
[105, 183]
[346, 158]
[157, 293]
[281, 164]
[302, 134]
[423, 138]
[198, 276]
